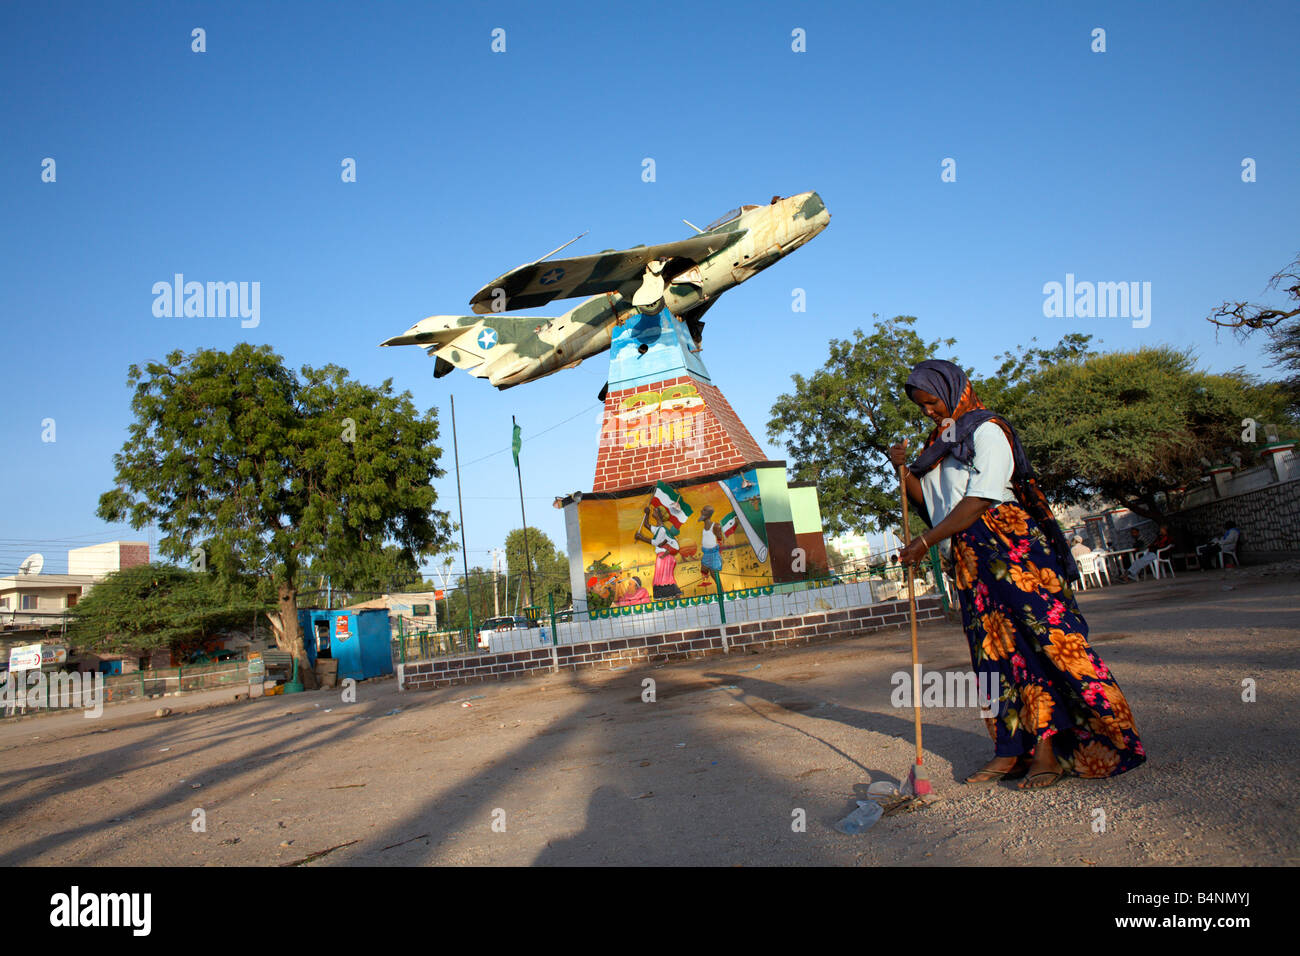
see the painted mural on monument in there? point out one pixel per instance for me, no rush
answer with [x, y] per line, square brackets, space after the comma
[663, 545]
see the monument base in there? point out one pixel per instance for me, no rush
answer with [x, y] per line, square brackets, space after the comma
[662, 543]
[682, 490]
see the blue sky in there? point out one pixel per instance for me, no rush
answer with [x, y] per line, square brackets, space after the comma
[225, 166]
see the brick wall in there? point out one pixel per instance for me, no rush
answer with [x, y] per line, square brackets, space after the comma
[133, 555]
[661, 449]
[659, 648]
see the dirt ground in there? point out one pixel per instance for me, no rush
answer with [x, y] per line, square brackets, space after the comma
[578, 769]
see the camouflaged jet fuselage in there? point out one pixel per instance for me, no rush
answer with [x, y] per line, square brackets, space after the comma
[685, 276]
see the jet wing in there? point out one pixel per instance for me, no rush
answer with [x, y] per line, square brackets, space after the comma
[538, 283]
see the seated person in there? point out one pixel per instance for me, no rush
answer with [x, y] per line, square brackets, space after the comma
[1207, 554]
[1078, 548]
[1147, 556]
[1135, 539]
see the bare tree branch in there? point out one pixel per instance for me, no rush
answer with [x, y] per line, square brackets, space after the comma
[1245, 317]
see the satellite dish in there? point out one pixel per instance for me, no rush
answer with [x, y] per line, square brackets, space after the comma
[32, 564]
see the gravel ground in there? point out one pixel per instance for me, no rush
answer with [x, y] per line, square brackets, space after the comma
[578, 769]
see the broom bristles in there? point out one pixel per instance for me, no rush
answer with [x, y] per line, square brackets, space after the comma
[918, 781]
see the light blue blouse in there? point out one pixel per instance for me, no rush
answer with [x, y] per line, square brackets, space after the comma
[987, 476]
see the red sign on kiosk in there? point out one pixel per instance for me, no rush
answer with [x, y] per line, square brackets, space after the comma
[341, 628]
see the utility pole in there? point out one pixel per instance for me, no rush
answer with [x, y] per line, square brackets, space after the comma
[496, 571]
[464, 557]
[528, 560]
[444, 575]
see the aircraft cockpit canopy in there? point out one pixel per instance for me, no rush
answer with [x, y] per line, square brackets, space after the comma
[723, 220]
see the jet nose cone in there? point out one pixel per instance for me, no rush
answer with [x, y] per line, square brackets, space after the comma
[811, 212]
[812, 205]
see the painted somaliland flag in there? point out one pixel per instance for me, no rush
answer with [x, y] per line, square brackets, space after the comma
[729, 523]
[676, 506]
[515, 443]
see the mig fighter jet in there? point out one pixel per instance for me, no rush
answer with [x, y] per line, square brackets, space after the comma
[686, 277]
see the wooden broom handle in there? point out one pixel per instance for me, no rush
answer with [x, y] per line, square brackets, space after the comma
[911, 606]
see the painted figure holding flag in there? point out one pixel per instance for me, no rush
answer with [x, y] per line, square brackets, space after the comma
[664, 538]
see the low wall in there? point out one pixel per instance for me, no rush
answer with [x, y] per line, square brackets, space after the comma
[661, 647]
[743, 608]
[1269, 520]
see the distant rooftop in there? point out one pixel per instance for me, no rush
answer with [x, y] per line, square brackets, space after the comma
[45, 580]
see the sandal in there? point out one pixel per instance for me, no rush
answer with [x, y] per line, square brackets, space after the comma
[1056, 775]
[993, 776]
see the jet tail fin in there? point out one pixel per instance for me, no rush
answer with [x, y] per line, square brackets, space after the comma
[479, 344]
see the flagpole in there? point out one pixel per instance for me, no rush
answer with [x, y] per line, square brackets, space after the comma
[528, 561]
[460, 507]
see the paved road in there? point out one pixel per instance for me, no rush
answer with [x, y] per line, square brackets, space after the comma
[578, 769]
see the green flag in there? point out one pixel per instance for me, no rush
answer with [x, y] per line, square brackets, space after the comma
[515, 444]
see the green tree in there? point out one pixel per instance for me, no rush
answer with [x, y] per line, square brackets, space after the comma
[363, 575]
[550, 566]
[1135, 426]
[269, 473]
[1005, 389]
[1285, 348]
[477, 594]
[838, 424]
[158, 605]
[838, 562]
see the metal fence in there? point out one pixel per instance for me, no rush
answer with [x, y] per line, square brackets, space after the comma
[50, 621]
[141, 685]
[421, 642]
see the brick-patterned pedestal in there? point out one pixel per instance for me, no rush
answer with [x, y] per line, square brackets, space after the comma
[679, 428]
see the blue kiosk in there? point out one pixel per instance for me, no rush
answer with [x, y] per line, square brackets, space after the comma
[361, 641]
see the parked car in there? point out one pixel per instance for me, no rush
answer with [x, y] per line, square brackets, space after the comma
[500, 625]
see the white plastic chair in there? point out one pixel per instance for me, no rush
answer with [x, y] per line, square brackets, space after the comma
[1088, 565]
[1161, 559]
[1230, 552]
[1103, 563]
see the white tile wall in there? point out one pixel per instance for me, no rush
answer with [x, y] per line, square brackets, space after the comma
[756, 608]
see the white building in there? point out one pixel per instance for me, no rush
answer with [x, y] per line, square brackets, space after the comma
[99, 560]
[413, 609]
[854, 548]
[41, 600]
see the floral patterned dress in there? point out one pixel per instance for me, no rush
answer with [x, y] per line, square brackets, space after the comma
[1024, 626]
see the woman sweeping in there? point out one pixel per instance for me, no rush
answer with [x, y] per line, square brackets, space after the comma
[1060, 709]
